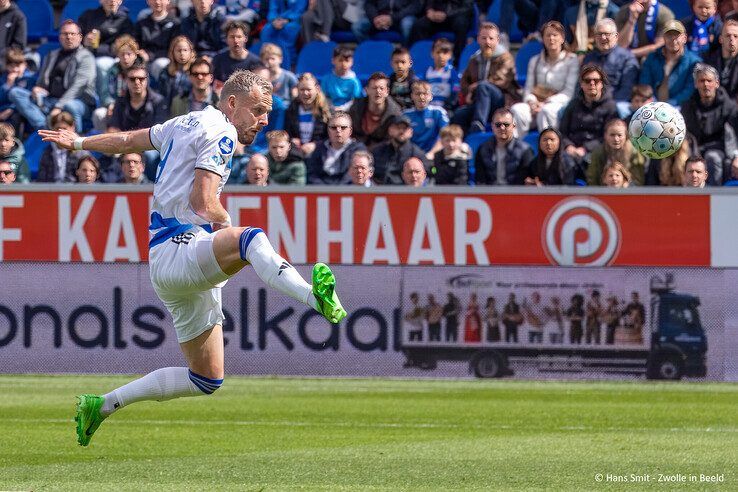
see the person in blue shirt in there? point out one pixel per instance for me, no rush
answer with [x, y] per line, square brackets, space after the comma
[14, 75]
[680, 85]
[283, 25]
[426, 120]
[703, 27]
[442, 76]
[342, 86]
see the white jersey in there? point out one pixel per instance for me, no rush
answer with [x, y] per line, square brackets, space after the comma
[198, 140]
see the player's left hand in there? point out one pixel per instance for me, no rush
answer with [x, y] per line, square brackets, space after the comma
[62, 138]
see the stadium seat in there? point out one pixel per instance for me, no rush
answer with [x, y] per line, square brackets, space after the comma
[372, 56]
[474, 140]
[525, 53]
[421, 55]
[532, 139]
[34, 148]
[72, 10]
[46, 48]
[134, 7]
[315, 57]
[445, 34]
[680, 8]
[389, 36]
[343, 37]
[39, 17]
[469, 50]
[493, 15]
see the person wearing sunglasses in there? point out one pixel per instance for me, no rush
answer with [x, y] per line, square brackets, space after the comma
[503, 159]
[329, 163]
[140, 107]
[201, 93]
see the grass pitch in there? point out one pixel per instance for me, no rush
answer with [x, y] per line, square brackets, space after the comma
[345, 434]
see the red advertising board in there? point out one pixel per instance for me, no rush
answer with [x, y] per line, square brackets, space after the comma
[439, 228]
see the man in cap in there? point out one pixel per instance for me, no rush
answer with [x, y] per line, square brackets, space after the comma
[669, 69]
[389, 157]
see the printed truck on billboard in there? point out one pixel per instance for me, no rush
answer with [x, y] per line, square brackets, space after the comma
[599, 333]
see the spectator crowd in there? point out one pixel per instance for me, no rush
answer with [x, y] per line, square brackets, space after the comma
[469, 117]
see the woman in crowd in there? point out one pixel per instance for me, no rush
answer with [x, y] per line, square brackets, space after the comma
[616, 148]
[552, 166]
[88, 170]
[175, 80]
[306, 118]
[616, 175]
[550, 84]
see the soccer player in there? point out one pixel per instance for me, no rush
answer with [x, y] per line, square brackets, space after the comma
[194, 249]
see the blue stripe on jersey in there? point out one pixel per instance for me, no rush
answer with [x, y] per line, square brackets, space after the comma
[168, 227]
[163, 161]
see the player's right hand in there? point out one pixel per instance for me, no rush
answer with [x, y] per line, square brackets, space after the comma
[62, 138]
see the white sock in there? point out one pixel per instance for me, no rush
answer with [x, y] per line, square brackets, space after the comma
[276, 272]
[163, 384]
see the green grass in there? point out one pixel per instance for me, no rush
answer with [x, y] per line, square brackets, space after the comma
[345, 434]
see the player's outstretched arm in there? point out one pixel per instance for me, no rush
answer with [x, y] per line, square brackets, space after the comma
[107, 143]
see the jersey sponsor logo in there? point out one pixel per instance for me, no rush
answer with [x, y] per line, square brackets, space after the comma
[282, 267]
[225, 145]
[219, 160]
[581, 231]
[184, 238]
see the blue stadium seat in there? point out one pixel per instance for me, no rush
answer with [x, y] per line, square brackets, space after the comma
[680, 8]
[389, 36]
[73, 9]
[525, 53]
[467, 53]
[421, 55]
[315, 57]
[372, 56]
[474, 140]
[445, 34]
[343, 37]
[493, 15]
[134, 7]
[46, 48]
[532, 139]
[34, 148]
[39, 17]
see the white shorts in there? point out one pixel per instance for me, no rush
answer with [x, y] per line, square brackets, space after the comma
[187, 278]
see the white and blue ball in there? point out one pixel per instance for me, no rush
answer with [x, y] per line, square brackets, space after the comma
[657, 130]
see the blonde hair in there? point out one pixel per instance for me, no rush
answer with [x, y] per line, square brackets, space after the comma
[269, 49]
[277, 135]
[321, 108]
[452, 131]
[671, 171]
[242, 82]
[173, 68]
[619, 167]
[7, 131]
[123, 41]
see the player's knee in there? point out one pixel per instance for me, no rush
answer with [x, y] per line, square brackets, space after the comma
[205, 384]
[246, 238]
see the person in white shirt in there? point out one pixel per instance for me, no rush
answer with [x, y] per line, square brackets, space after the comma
[194, 249]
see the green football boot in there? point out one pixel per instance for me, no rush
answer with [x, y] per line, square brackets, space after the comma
[324, 290]
[88, 417]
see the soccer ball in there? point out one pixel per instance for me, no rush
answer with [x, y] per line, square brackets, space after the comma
[657, 129]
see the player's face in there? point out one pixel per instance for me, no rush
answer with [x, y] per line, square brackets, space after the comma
[729, 40]
[250, 114]
[615, 137]
[614, 179]
[549, 143]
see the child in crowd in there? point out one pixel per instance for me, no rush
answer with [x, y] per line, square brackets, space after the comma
[402, 78]
[703, 27]
[126, 50]
[640, 95]
[426, 120]
[286, 166]
[58, 165]
[342, 86]
[450, 166]
[442, 76]
[12, 151]
[284, 82]
[14, 75]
